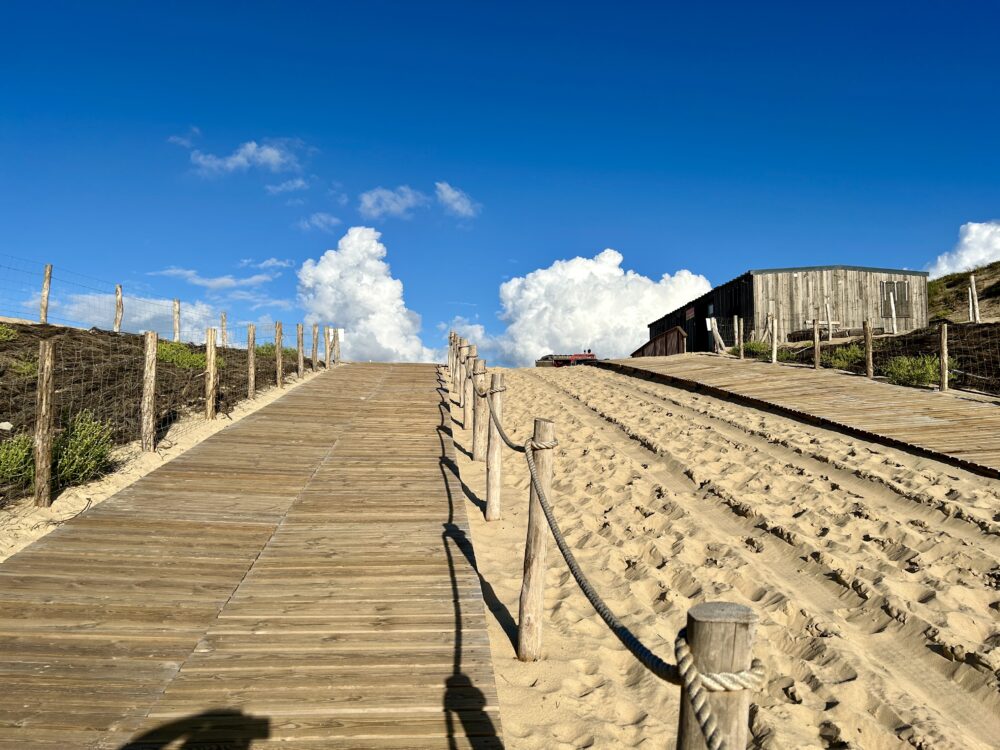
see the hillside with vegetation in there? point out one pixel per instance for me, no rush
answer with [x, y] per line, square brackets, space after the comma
[948, 296]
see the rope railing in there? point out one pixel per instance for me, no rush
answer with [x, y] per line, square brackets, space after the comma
[697, 711]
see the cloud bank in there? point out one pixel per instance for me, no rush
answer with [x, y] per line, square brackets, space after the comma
[978, 244]
[352, 287]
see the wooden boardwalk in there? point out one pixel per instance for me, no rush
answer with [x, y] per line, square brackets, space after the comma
[957, 427]
[301, 580]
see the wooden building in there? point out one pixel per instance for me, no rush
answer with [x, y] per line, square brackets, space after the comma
[797, 296]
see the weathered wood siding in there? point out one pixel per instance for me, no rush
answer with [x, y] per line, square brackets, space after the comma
[732, 298]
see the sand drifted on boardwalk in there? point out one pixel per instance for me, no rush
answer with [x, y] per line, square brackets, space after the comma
[875, 573]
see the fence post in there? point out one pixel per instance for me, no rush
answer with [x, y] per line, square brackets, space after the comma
[720, 636]
[177, 320]
[944, 356]
[480, 412]
[336, 346]
[869, 366]
[459, 384]
[739, 335]
[816, 343]
[975, 298]
[148, 403]
[119, 308]
[210, 374]
[315, 348]
[892, 310]
[223, 333]
[829, 322]
[774, 339]
[494, 452]
[470, 365]
[531, 605]
[451, 353]
[44, 414]
[43, 307]
[278, 356]
[251, 360]
[300, 367]
[326, 345]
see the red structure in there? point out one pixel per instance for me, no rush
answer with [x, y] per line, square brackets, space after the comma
[565, 360]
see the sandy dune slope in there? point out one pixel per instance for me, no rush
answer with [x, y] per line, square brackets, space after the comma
[875, 573]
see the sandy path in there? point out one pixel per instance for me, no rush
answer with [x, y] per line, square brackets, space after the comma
[875, 573]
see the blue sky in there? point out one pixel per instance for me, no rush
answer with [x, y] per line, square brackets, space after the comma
[713, 138]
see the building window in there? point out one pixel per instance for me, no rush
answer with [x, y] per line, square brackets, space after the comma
[901, 293]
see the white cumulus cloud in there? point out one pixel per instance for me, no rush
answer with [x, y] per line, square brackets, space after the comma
[275, 156]
[320, 220]
[581, 303]
[352, 287]
[978, 245]
[399, 203]
[456, 201]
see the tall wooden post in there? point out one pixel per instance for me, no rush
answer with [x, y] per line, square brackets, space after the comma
[336, 345]
[739, 336]
[148, 403]
[223, 333]
[892, 309]
[119, 308]
[774, 340]
[944, 356]
[463, 353]
[251, 360]
[177, 320]
[315, 348]
[470, 365]
[972, 313]
[494, 452]
[531, 606]
[480, 412]
[975, 298]
[43, 303]
[869, 364]
[211, 379]
[301, 365]
[44, 415]
[278, 355]
[720, 636]
[736, 331]
[829, 322]
[451, 352]
[816, 343]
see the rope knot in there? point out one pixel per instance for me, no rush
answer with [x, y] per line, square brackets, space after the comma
[541, 445]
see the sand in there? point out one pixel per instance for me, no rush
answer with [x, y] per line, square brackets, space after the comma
[21, 523]
[875, 573]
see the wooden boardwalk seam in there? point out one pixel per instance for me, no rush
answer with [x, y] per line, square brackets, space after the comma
[954, 427]
[302, 579]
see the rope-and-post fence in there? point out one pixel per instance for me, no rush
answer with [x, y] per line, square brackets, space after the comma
[714, 664]
[479, 411]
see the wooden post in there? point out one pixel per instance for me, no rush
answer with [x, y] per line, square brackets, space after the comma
[531, 606]
[494, 453]
[223, 334]
[720, 636]
[470, 365]
[892, 310]
[301, 365]
[480, 412]
[326, 345]
[975, 298]
[829, 322]
[336, 346]
[43, 307]
[177, 320]
[972, 313]
[119, 308]
[44, 415]
[210, 374]
[739, 336]
[816, 342]
[944, 356]
[315, 348]
[463, 353]
[736, 330]
[774, 340]
[148, 403]
[278, 352]
[251, 360]
[869, 366]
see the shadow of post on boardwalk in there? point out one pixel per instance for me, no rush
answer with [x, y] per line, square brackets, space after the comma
[215, 729]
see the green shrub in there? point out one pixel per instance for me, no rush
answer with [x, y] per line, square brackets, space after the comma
[7, 333]
[921, 370]
[182, 355]
[26, 368]
[17, 461]
[786, 354]
[266, 351]
[752, 349]
[844, 357]
[83, 451]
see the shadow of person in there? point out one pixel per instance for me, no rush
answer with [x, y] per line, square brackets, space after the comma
[215, 729]
[467, 702]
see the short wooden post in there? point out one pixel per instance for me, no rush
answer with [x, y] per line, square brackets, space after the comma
[278, 355]
[892, 310]
[210, 374]
[944, 356]
[148, 403]
[315, 348]
[816, 343]
[774, 340]
[301, 364]
[736, 331]
[720, 636]
[119, 308]
[251, 360]
[975, 298]
[470, 365]
[494, 452]
[829, 322]
[739, 336]
[43, 306]
[223, 333]
[177, 320]
[336, 346]
[44, 416]
[480, 412]
[869, 364]
[531, 606]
